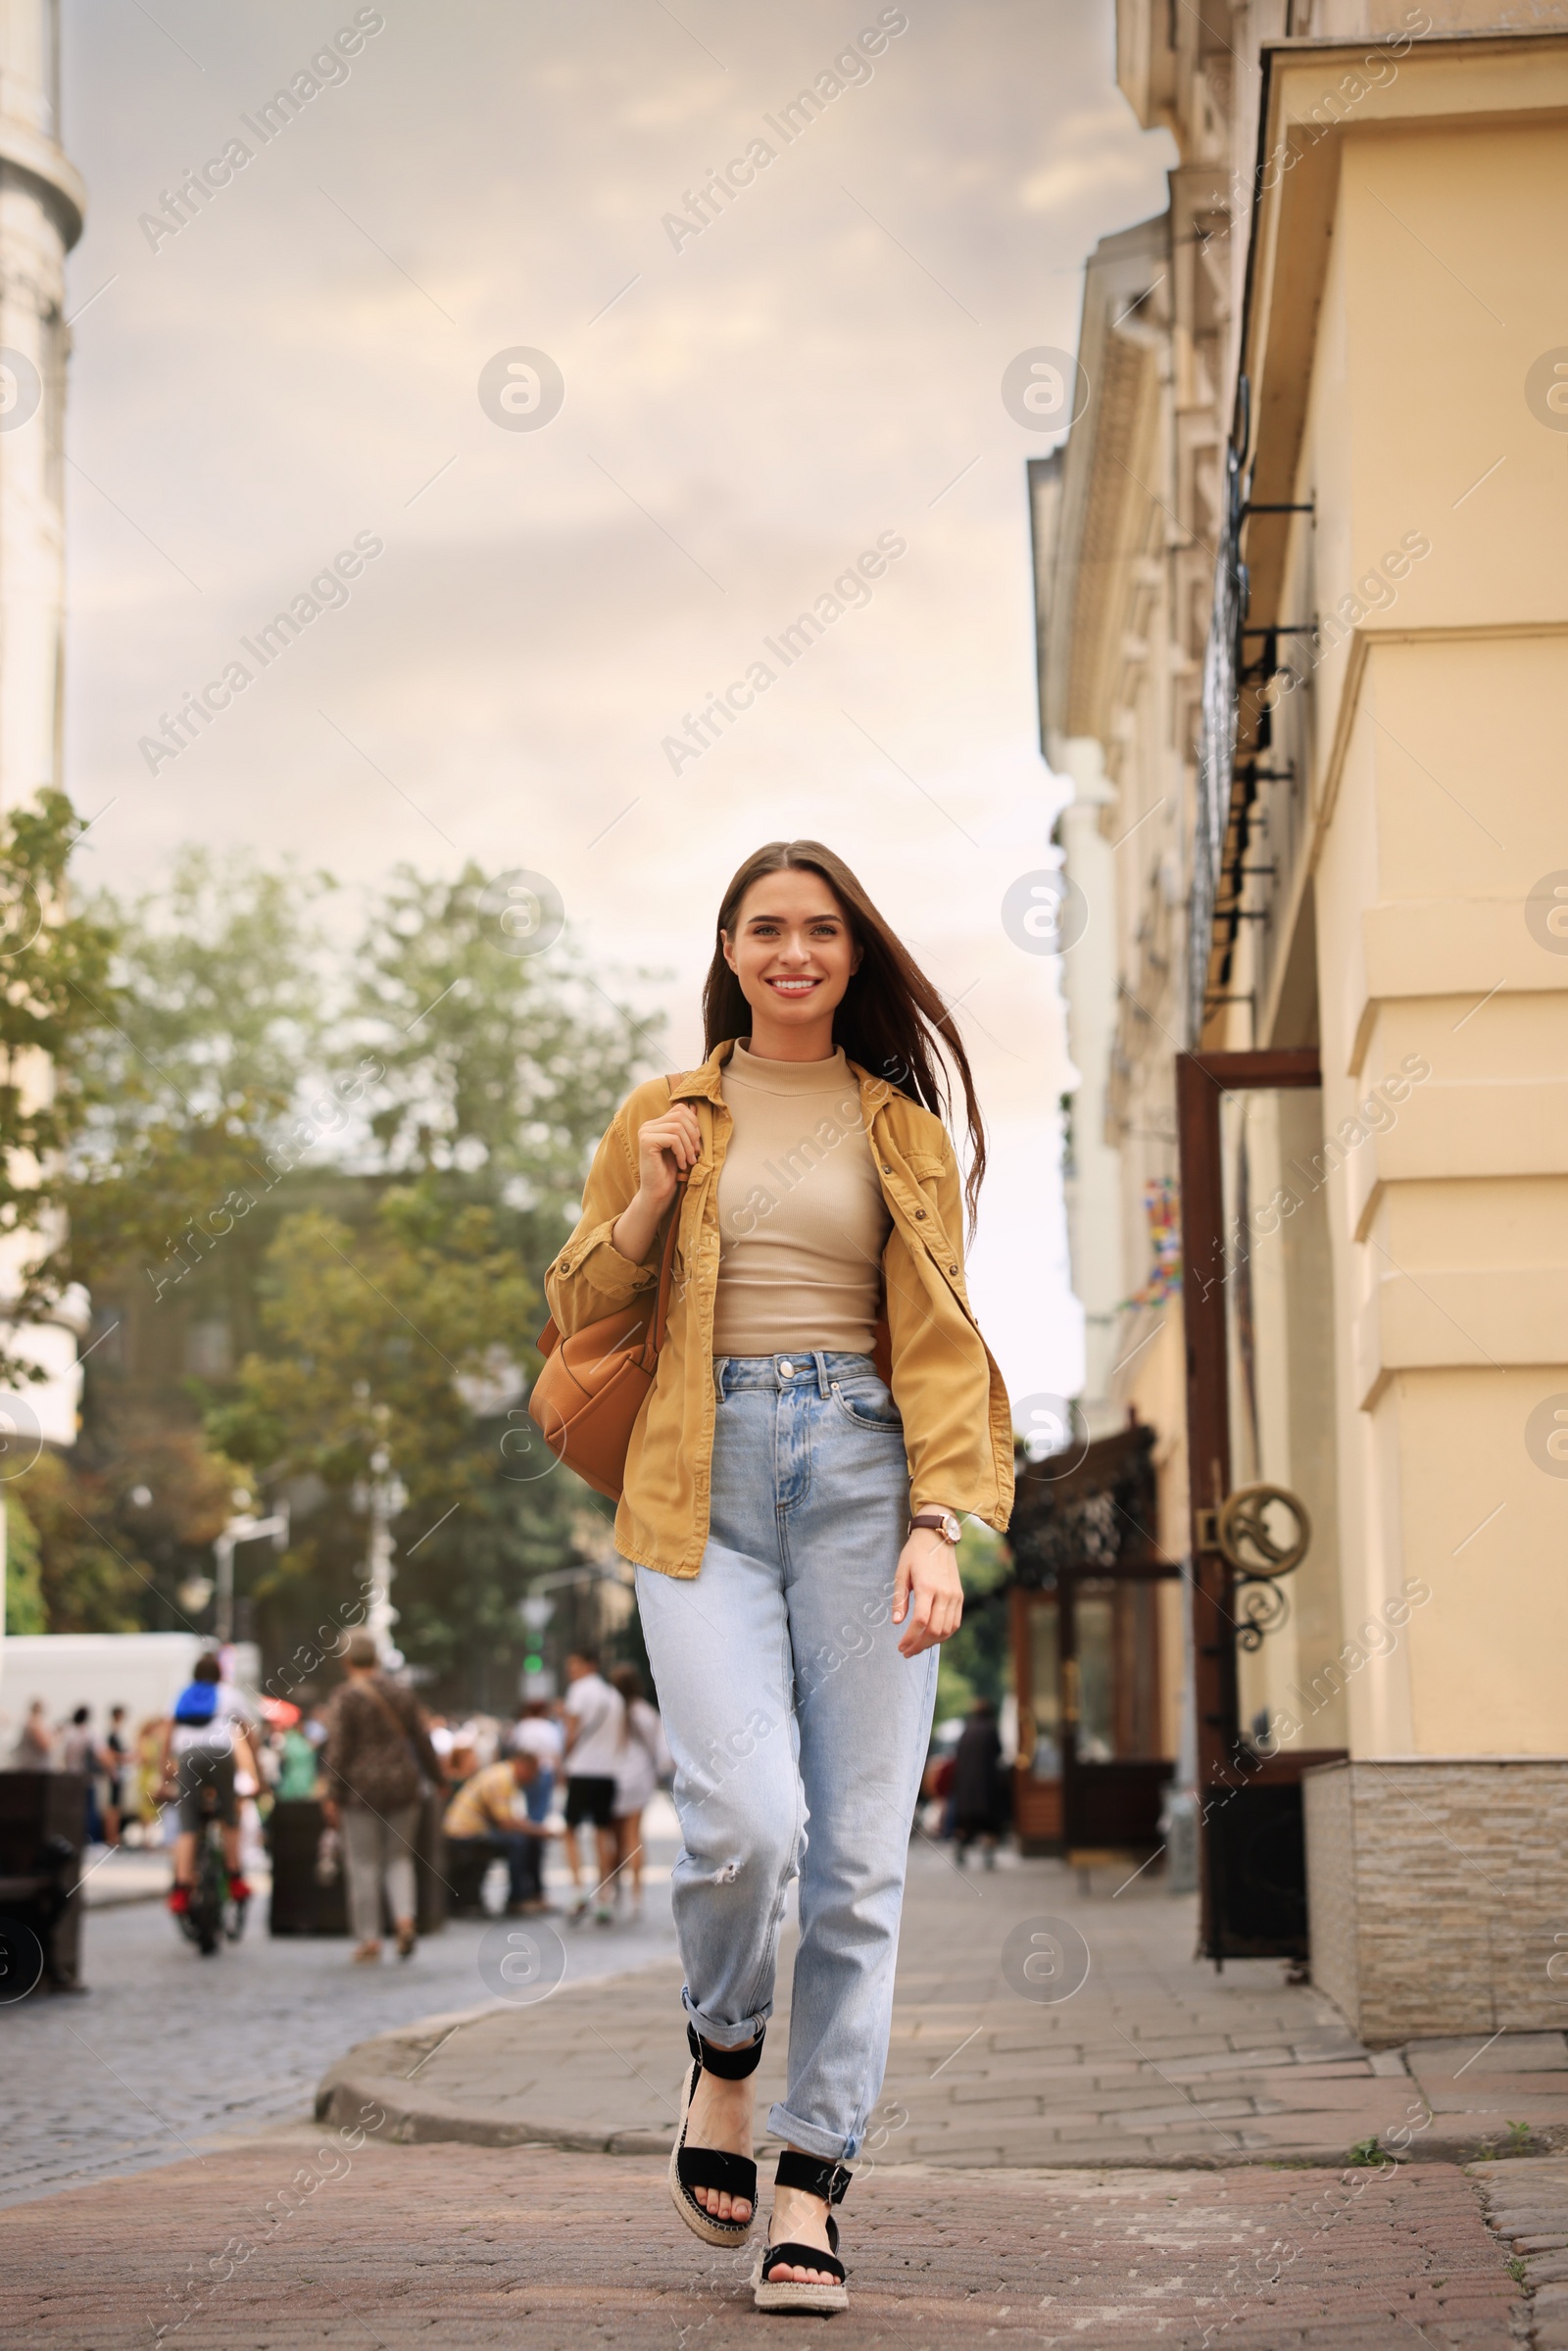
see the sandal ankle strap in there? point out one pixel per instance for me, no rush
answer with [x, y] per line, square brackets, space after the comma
[728, 2065]
[829, 2181]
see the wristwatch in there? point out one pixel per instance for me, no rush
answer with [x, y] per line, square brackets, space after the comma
[944, 1523]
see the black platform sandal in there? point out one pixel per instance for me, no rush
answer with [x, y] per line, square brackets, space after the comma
[829, 2181]
[709, 2166]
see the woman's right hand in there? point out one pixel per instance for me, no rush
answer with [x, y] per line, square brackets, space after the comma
[667, 1148]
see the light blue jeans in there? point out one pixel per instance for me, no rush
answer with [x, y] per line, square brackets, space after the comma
[786, 1703]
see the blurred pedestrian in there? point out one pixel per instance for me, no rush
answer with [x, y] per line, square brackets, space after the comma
[377, 1761]
[146, 1777]
[481, 1821]
[269, 1757]
[78, 1752]
[114, 1758]
[297, 1764]
[977, 1809]
[34, 1750]
[594, 1716]
[644, 1761]
[535, 1732]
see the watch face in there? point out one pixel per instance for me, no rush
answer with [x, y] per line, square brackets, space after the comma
[951, 1526]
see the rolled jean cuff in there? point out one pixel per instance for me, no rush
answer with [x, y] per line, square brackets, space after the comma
[721, 2034]
[826, 2146]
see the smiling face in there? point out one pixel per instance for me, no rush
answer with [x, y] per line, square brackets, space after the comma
[793, 954]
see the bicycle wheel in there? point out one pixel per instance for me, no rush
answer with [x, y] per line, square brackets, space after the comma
[211, 1892]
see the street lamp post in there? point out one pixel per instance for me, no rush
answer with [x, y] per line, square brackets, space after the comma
[536, 1609]
[386, 1494]
[244, 1528]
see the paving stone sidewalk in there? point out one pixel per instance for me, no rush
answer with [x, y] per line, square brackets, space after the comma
[1152, 2058]
[296, 2241]
[1527, 2207]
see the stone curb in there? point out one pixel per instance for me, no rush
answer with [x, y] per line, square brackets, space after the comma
[376, 2073]
[346, 2097]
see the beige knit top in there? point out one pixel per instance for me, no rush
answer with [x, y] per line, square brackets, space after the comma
[802, 1220]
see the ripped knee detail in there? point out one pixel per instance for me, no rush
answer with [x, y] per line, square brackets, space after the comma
[769, 1861]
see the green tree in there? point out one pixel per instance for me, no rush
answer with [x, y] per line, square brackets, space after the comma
[381, 1336]
[56, 1003]
[227, 987]
[203, 1081]
[500, 1066]
[408, 1335]
[108, 1533]
[25, 1608]
[359, 1181]
[86, 1583]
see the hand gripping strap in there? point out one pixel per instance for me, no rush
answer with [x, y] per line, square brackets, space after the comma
[829, 2181]
[729, 2065]
[667, 1272]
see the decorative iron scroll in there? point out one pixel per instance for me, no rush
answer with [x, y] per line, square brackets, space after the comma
[1261, 1608]
[1260, 1553]
[1253, 1548]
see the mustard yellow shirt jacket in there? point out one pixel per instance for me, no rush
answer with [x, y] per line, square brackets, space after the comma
[958, 1423]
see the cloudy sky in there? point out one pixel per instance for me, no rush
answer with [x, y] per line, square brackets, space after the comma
[748, 402]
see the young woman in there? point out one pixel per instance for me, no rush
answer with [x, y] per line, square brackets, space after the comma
[824, 1411]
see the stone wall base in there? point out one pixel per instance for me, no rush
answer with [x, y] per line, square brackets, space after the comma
[1437, 1895]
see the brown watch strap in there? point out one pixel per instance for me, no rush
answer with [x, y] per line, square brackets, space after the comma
[935, 1521]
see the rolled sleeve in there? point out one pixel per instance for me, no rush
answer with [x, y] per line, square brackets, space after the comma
[590, 1277]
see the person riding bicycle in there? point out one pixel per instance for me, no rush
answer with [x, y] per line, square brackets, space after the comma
[203, 1742]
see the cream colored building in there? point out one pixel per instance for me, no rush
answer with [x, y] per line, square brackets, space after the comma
[1341, 360]
[41, 206]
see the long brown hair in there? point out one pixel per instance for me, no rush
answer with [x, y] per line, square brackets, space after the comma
[890, 1013]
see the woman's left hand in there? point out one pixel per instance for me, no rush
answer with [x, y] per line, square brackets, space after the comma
[926, 1590]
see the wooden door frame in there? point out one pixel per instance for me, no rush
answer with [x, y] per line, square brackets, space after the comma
[1031, 1810]
[1201, 1082]
[1069, 1581]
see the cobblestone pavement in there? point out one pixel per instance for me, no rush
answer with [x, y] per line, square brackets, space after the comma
[1527, 2207]
[320, 2240]
[168, 2049]
[1035, 2024]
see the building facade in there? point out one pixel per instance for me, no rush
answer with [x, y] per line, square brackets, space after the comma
[42, 202]
[1304, 625]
